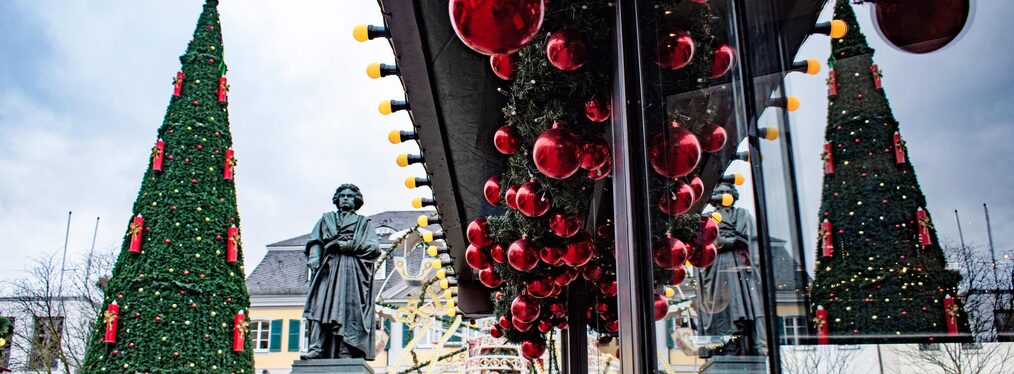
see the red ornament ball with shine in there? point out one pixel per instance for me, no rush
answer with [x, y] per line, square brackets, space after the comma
[678, 200]
[566, 50]
[476, 258]
[679, 274]
[674, 152]
[490, 27]
[579, 251]
[495, 332]
[564, 225]
[557, 153]
[601, 172]
[521, 256]
[724, 58]
[510, 197]
[552, 256]
[670, 253]
[540, 288]
[661, 307]
[608, 288]
[498, 254]
[506, 140]
[489, 278]
[525, 309]
[503, 66]
[698, 186]
[713, 138]
[491, 190]
[478, 233]
[533, 349]
[704, 257]
[675, 50]
[595, 153]
[598, 108]
[707, 232]
[531, 201]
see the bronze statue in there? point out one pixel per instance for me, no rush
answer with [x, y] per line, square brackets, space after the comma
[340, 252]
[730, 300]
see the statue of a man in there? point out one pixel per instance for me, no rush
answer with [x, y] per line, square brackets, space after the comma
[340, 252]
[730, 298]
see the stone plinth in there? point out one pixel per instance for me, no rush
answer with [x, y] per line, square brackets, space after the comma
[735, 364]
[338, 365]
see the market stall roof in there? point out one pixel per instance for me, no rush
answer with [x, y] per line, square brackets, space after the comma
[455, 107]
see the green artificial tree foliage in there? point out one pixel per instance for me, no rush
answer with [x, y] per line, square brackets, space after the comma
[881, 284]
[179, 296]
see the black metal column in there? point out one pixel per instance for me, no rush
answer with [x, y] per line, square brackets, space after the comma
[634, 264]
[574, 340]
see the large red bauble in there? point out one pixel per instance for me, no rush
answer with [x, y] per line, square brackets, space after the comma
[531, 201]
[679, 274]
[674, 152]
[675, 50]
[670, 253]
[724, 57]
[592, 273]
[525, 309]
[707, 232]
[495, 332]
[558, 309]
[564, 225]
[491, 190]
[521, 256]
[511, 197]
[594, 154]
[698, 186]
[661, 307]
[478, 233]
[713, 138]
[678, 200]
[489, 278]
[503, 66]
[504, 322]
[520, 325]
[476, 258]
[704, 257]
[598, 108]
[533, 349]
[568, 275]
[921, 26]
[544, 327]
[608, 288]
[566, 50]
[601, 172]
[557, 153]
[551, 255]
[579, 251]
[498, 253]
[490, 27]
[505, 139]
[540, 288]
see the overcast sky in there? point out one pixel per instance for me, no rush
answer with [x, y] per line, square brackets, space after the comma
[84, 86]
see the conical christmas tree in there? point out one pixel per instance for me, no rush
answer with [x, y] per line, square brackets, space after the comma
[177, 297]
[880, 272]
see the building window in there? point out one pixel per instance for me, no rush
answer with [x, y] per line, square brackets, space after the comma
[45, 343]
[793, 328]
[260, 335]
[432, 336]
[384, 232]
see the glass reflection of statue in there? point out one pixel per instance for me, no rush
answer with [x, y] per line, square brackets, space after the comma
[340, 252]
[730, 300]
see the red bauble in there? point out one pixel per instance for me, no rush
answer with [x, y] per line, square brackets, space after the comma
[561, 324]
[551, 256]
[564, 225]
[557, 153]
[713, 138]
[558, 309]
[608, 288]
[698, 186]
[540, 288]
[707, 232]
[566, 50]
[476, 258]
[579, 251]
[601, 172]
[498, 253]
[674, 152]
[520, 325]
[531, 201]
[724, 57]
[613, 326]
[506, 140]
[595, 153]
[503, 66]
[504, 322]
[489, 278]
[545, 326]
[678, 200]
[521, 256]
[670, 253]
[478, 233]
[704, 257]
[490, 27]
[510, 197]
[533, 349]
[568, 275]
[661, 307]
[675, 50]
[491, 190]
[679, 274]
[598, 108]
[495, 332]
[921, 26]
[525, 309]
[592, 273]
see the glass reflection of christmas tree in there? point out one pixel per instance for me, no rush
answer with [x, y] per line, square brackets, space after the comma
[880, 272]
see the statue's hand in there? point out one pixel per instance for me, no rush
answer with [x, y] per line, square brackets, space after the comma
[313, 262]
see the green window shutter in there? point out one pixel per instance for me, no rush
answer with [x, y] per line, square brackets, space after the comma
[455, 338]
[781, 327]
[387, 328]
[406, 335]
[669, 327]
[275, 341]
[294, 335]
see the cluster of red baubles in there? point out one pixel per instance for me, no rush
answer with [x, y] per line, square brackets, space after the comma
[559, 153]
[675, 153]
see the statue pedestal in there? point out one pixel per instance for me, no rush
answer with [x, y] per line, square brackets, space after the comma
[331, 365]
[734, 364]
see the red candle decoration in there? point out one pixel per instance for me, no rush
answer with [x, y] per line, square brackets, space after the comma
[832, 84]
[924, 227]
[178, 83]
[828, 159]
[223, 90]
[111, 317]
[230, 164]
[134, 232]
[232, 245]
[157, 155]
[820, 323]
[952, 311]
[899, 149]
[239, 330]
[877, 74]
[824, 236]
